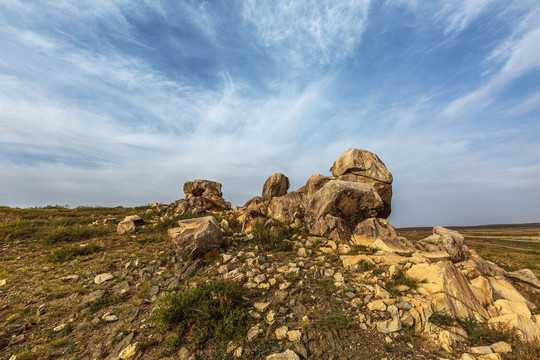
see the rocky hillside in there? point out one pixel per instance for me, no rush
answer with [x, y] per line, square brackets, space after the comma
[316, 273]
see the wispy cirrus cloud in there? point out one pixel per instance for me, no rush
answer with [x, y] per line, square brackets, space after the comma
[120, 102]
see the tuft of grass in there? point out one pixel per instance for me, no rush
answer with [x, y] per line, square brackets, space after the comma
[215, 310]
[442, 319]
[65, 254]
[400, 278]
[273, 236]
[73, 234]
[360, 249]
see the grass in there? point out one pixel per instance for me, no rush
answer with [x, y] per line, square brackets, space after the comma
[65, 254]
[216, 310]
[273, 236]
[73, 234]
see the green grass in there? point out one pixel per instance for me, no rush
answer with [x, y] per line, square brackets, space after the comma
[215, 310]
[273, 236]
[65, 254]
[73, 234]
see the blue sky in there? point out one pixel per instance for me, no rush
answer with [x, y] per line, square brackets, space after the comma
[112, 102]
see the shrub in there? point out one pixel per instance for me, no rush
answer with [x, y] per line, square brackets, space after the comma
[272, 236]
[65, 254]
[213, 310]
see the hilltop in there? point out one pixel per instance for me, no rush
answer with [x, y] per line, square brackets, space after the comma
[315, 273]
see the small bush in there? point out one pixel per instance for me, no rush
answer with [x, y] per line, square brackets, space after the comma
[273, 236]
[212, 310]
[442, 319]
[65, 254]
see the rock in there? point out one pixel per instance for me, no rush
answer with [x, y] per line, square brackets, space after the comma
[505, 307]
[276, 185]
[196, 237]
[253, 332]
[281, 332]
[450, 290]
[503, 289]
[450, 241]
[315, 183]
[294, 335]
[129, 224]
[378, 305]
[481, 350]
[287, 207]
[353, 260]
[434, 256]
[128, 351]
[398, 245]
[238, 352]
[3, 282]
[115, 354]
[365, 167]
[16, 339]
[349, 201]
[389, 326]
[101, 278]
[70, 277]
[251, 218]
[200, 187]
[91, 298]
[501, 347]
[261, 307]
[526, 276]
[527, 329]
[369, 230]
[286, 355]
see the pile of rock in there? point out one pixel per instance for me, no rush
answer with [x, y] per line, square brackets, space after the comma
[202, 196]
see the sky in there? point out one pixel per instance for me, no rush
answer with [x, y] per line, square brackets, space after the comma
[119, 102]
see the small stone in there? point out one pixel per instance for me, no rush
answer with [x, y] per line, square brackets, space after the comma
[294, 335]
[110, 318]
[281, 332]
[238, 352]
[223, 269]
[271, 317]
[128, 352]
[481, 350]
[59, 327]
[16, 340]
[261, 306]
[101, 278]
[501, 347]
[377, 305]
[389, 326]
[253, 332]
[302, 252]
[286, 355]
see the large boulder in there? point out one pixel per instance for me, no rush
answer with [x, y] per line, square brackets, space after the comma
[369, 230]
[365, 167]
[276, 185]
[447, 240]
[287, 207]
[350, 201]
[129, 224]
[201, 196]
[450, 291]
[196, 237]
[200, 187]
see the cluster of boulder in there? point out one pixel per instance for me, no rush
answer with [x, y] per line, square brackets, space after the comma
[349, 209]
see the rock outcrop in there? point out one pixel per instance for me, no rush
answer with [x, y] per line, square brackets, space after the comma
[276, 185]
[202, 196]
[196, 237]
[365, 167]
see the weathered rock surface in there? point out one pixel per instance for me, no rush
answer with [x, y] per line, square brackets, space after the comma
[129, 224]
[276, 185]
[365, 167]
[202, 196]
[287, 207]
[196, 237]
[369, 230]
[352, 202]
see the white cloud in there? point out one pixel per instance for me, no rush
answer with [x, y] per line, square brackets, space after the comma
[309, 32]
